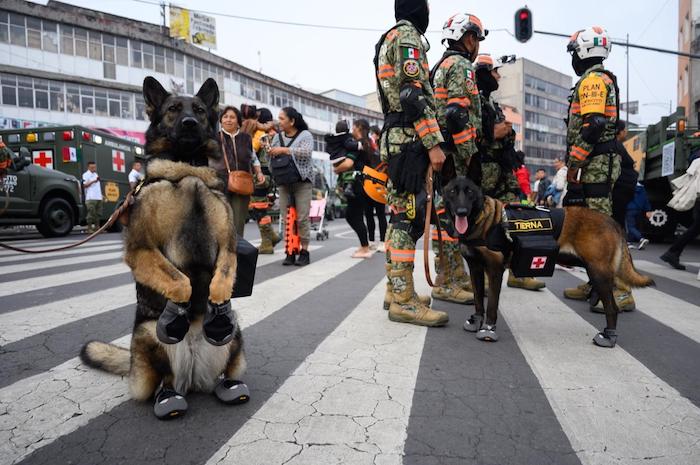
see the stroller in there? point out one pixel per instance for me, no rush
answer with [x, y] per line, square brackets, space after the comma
[317, 214]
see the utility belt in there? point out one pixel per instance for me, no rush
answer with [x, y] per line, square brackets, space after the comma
[396, 119]
[601, 189]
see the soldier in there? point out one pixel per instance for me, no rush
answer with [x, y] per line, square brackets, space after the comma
[497, 149]
[593, 162]
[410, 140]
[459, 117]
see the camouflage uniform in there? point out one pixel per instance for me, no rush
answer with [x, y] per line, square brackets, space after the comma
[495, 183]
[401, 59]
[454, 82]
[259, 202]
[594, 93]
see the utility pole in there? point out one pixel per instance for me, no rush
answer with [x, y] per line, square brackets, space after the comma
[162, 14]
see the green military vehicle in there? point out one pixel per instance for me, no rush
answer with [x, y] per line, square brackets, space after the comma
[662, 153]
[43, 182]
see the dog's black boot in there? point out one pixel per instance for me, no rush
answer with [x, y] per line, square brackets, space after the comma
[673, 260]
[606, 338]
[304, 258]
[487, 333]
[169, 404]
[232, 392]
[219, 323]
[289, 260]
[473, 324]
[173, 323]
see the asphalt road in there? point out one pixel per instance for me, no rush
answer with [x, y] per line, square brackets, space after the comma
[333, 381]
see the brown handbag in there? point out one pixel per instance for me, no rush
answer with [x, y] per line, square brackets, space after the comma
[239, 181]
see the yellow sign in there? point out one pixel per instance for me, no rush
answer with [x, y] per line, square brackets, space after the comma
[112, 191]
[592, 94]
[193, 27]
[540, 224]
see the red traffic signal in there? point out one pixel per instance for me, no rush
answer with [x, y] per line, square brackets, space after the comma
[523, 24]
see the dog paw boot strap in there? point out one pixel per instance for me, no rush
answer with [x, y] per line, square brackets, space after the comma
[169, 404]
[218, 323]
[487, 333]
[606, 338]
[173, 323]
[473, 324]
[232, 392]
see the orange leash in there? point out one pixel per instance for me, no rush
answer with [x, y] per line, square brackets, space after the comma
[429, 211]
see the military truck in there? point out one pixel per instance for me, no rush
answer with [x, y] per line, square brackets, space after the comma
[48, 193]
[662, 153]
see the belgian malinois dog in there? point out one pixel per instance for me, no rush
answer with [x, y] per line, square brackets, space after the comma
[587, 237]
[180, 244]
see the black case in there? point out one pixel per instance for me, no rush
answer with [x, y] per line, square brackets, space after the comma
[247, 261]
[534, 256]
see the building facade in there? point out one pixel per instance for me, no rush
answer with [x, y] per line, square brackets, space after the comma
[689, 70]
[540, 95]
[62, 64]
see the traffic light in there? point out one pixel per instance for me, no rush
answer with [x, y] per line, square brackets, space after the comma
[523, 24]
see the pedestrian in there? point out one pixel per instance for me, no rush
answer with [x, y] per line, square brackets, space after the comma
[374, 133]
[410, 130]
[557, 190]
[593, 162]
[93, 197]
[237, 155]
[135, 175]
[296, 142]
[639, 205]
[459, 116]
[522, 174]
[542, 183]
[258, 124]
[686, 196]
[626, 186]
[361, 133]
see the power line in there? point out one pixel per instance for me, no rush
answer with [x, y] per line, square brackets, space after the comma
[654, 18]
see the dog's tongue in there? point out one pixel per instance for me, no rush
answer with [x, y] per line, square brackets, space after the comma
[461, 224]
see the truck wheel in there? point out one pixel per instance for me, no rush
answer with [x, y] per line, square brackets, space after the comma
[661, 225]
[56, 218]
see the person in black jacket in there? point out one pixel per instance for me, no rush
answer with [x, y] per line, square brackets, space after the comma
[623, 191]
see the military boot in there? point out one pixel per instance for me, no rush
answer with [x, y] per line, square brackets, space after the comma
[622, 294]
[266, 246]
[389, 294]
[460, 276]
[406, 308]
[531, 284]
[445, 289]
[580, 292]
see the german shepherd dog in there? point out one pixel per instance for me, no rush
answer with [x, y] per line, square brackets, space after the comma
[180, 244]
[587, 237]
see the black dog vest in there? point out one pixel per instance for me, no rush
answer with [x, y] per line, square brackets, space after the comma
[533, 232]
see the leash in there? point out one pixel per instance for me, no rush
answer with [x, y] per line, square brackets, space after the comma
[429, 211]
[122, 208]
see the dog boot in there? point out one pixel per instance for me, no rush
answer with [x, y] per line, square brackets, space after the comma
[406, 308]
[673, 260]
[580, 292]
[289, 260]
[169, 404]
[219, 323]
[389, 296]
[531, 284]
[606, 338]
[232, 392]
[304, 258]
[473, 323]
[173, 323]
[487, 333]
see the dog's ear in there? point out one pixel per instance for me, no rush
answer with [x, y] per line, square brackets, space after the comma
[209, 93]
[154, 94]
[479, 198]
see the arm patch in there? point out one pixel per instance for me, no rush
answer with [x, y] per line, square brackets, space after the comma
[593, 94]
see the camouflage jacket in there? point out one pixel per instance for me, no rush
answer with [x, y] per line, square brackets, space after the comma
[488, 146]
[401, 59]
[594, 93]
[454, 82]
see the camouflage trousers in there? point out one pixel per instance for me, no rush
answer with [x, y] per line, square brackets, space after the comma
[400, 246]
[597, 171]
[505, 189]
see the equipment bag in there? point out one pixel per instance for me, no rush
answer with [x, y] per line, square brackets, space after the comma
[247, 260]
[284, 170]
[535, 248]
[374, 182]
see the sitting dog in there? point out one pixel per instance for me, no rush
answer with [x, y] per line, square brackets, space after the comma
[180, 244]
[588, 237]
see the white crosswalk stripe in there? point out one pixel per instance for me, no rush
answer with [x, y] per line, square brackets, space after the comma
[666, 271]
[86, 249]
[26, 423]
[86, 258]
[60, 279]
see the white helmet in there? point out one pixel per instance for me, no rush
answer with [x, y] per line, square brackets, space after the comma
[590, 43]
[460, 23]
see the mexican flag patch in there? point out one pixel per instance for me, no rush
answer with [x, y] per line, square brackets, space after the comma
[602, 41]
[411, 53]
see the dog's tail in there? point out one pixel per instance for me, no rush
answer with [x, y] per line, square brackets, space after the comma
[627, 272]
[107, 357]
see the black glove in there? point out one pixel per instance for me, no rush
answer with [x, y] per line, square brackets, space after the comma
[574, 196]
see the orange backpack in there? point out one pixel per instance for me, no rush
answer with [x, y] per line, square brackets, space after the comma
[374, 182]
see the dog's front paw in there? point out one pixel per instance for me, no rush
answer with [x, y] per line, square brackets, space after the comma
[179, 291]
[220, 288]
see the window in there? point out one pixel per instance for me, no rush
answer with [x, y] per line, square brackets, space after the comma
[169, 61]
[179, 65]
[87, 100]
[50, 36]
[147, 56]
[108, 48]
[41, 93]
[136, 57]
[73, 99]
[66, 40]
[9, 89]
[101, 103]
[57, 98]
[109, 70]
[127, 112]
[25, 93]
[122, 51]
[17, 31]
[81, 49]
[545, 103]
[140, 108]
[95, 45]
[114, 100]
[545, 86]
[159, 59]
[33, 32]
[4, 27]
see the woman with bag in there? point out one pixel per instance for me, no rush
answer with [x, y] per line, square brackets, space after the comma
[360, 131]
[236, 165]
[292, 170]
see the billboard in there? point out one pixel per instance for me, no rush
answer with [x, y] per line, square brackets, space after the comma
[193, 27]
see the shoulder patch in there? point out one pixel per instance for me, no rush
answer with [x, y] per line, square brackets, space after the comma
[392, 35]
[592, 94]
[411, 68]
[410, 53]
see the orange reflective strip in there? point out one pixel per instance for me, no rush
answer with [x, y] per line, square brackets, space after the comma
[578, 153]
[265, 220]
[610, 110]
[402, 255]
[461, 101]
[464, 136]
[440, 211]
[445, 237]
[392, 35]
[258, 205]
[427, 126]
[425, 65]
[441, 93]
